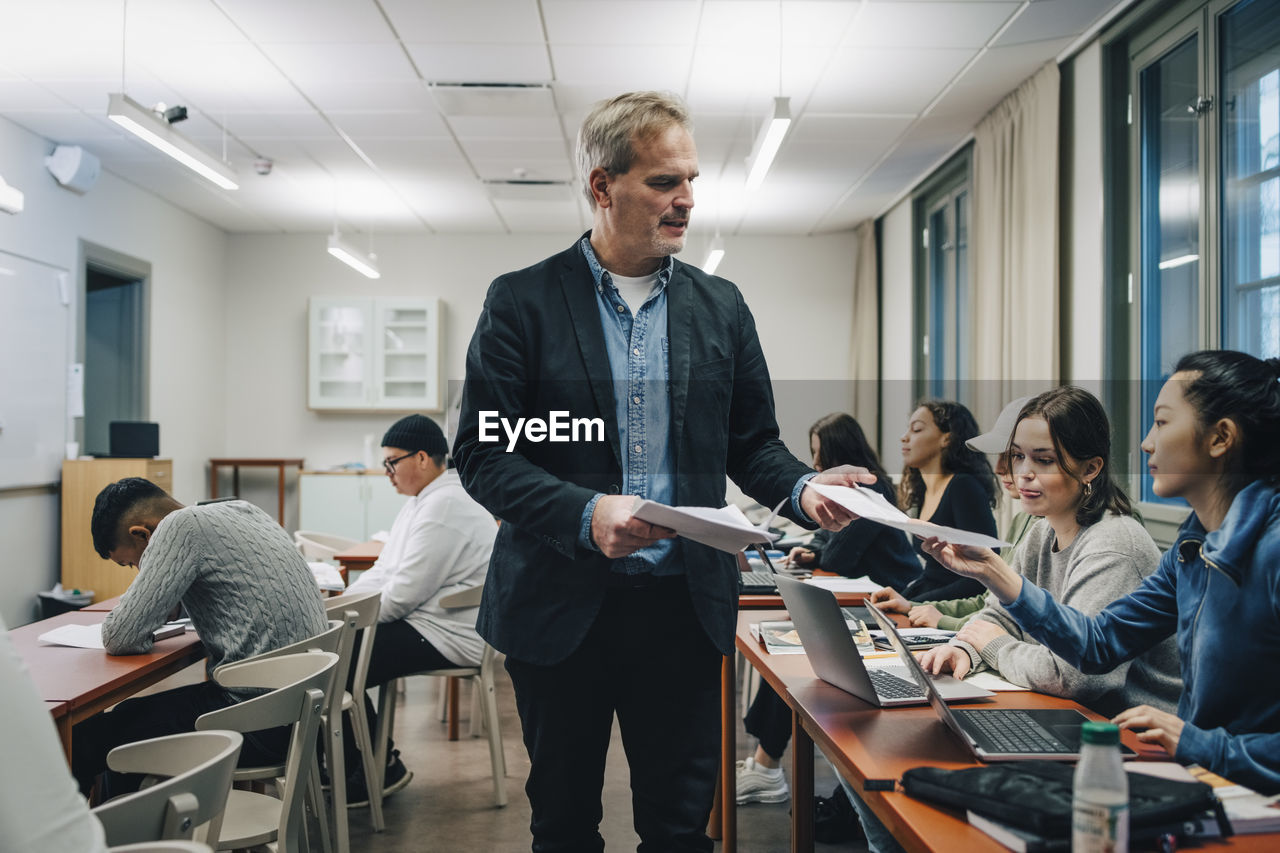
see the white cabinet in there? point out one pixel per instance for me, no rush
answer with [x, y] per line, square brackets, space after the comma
[345, 503]
[374, 354]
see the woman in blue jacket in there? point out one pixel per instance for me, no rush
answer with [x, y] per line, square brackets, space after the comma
[1214, 443]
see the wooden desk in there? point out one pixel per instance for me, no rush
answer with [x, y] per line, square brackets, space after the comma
[357, 558]
[79, 683]
[104, 606]
[723, 825]
[865, 742]
[236, 464]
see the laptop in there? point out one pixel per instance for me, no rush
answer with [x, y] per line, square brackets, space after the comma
[834, 655]
[758, 583]
[133, 439]
[998, 734]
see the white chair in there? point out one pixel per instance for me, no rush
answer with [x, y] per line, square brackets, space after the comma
[360, 612]
[315, 545]
[298, 685]
[164, 847]
[198, 767]
[336, 638]
[484, 706]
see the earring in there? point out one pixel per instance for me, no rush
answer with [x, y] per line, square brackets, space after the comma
[1088, 490]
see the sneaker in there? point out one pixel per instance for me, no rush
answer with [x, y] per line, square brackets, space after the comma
[396, 777]
[758, 784]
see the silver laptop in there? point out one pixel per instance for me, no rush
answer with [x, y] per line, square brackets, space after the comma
[834, 654]
[998, 734]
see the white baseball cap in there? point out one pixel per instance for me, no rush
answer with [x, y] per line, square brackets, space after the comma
[996, 440]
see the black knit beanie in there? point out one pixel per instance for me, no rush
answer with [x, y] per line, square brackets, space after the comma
[417, 432]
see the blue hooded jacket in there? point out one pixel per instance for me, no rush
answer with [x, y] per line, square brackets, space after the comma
[1221, 593]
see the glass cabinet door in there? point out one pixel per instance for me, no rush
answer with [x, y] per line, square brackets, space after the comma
[340, 361]
[409, 357]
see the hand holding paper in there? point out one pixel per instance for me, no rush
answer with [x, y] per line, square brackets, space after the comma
[725, 528]
[871, 505]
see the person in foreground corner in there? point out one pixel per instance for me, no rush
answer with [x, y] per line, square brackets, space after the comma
[1213, 443]
[242, 582]
[598, 612]
[440, 544]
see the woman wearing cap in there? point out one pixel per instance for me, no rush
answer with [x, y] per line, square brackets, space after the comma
[951, 614]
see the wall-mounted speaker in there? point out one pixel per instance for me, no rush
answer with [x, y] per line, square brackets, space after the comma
[73, 167]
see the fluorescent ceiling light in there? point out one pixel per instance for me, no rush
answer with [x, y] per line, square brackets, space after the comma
[351, 256]
[152, 129]
[1181, 260]
[772, 132]
[714, 256]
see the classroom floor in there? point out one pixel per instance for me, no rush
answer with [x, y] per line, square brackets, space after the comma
[448, 806]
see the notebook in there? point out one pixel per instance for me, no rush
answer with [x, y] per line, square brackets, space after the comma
[998, 734]
[833, 653]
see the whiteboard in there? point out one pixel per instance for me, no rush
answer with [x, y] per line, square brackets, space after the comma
[35, 342]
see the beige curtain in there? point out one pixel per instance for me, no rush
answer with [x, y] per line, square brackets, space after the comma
[864, 351]
[1015, 240]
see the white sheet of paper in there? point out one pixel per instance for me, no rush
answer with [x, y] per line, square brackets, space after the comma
[991, 681]
[871, 505]
[76, 636]
[327, 576]
[725, 528]
[843, 584]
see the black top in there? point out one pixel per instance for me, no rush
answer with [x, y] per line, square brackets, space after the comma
[868, 548]
[964, 505]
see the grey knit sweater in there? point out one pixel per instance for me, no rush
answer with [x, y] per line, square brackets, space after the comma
[244, 585]
[1105, 561]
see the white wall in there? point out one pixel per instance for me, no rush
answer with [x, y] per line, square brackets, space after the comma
[186, 334]
[799, 290]
[897, 332]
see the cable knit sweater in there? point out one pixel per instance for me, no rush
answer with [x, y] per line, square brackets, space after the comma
[242, 581]
[1106, 560]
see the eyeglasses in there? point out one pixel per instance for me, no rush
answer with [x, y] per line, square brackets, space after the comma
[389, 465]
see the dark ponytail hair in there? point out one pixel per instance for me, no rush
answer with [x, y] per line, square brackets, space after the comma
[841, 441]
[1244, 389]
[957, 457]
[1080, 431]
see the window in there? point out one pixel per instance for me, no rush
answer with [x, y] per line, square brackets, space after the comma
[942, 300]
[1202, 117]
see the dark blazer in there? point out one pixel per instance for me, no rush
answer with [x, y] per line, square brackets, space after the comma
[539, 348]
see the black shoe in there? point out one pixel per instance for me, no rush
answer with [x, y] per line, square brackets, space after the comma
[834, 820]
[395, 778]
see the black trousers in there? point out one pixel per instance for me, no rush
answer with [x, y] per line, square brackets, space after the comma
[769, 719]
[168, 713]
[398, 649]
[648, 660]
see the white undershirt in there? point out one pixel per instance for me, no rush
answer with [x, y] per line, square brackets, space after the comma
[634, 291]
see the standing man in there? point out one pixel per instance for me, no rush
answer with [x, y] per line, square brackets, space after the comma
[600, 613]
[440, 543]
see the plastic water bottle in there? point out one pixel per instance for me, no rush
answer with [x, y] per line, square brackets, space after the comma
[1100, 802]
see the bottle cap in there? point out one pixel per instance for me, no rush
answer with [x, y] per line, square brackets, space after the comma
[1106, 734]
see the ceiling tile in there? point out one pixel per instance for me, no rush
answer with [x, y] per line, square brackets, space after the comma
[358, 95]
[1052, 19]
[415, 124]
[923, 25]
[996, 73]
[368, 63]
[309, 21]
[474, 22]
[625, 67]
[751, 24]
[617, 22]
[481, 63]
[467, 127]
[886, 81]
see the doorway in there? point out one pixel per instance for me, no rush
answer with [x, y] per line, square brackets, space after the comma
[114, 353]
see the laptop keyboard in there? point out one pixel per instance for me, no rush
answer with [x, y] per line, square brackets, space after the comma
[890, 686]
[759, 580]
[1012, 731]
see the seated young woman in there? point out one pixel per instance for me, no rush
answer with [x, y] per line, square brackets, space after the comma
[1213, 443]
[950, 615]
[1086, 550]
[861, 548]
[945, 482]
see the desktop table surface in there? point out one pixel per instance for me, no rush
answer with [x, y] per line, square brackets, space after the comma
[865, 742]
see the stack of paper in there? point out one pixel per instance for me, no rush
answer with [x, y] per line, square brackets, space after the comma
[871, 505]
[726, 528]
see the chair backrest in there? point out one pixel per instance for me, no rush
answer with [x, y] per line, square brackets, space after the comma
[297, 698]
[331, 639]
[164, 847]
[360, 611]
[199, 766]
[315, 545]
[469, 597]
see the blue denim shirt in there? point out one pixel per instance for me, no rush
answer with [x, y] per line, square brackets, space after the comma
[1220, 592]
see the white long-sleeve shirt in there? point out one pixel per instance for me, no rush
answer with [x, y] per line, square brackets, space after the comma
[440, 544]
